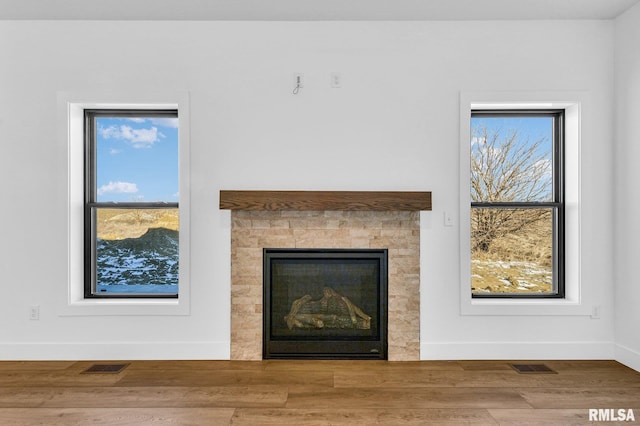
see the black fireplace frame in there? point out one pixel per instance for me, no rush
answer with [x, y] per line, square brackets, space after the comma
[353, 347]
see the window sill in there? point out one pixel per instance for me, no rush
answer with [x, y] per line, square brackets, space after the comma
[89, 307]
[523, 307]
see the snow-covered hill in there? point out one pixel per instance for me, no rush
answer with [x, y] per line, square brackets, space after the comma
[150, 261]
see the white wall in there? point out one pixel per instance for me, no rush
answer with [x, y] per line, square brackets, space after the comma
[627, 176]
[394, 125]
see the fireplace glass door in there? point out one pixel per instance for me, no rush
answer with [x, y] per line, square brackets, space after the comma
[325, 303]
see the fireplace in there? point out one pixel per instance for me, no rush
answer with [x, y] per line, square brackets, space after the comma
[325, 303]
[325, 219]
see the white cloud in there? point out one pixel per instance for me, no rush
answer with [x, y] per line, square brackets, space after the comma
[136, 119]
[118, 188]
[111, 132]
[114, 151]
[139, 138]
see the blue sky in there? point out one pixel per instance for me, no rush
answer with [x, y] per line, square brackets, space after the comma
[530, 130]
[533, 128]
[535, 174]
[137, 159]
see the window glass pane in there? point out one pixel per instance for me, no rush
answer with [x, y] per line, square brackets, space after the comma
[136, 159]
[137, 251]
[511, 158]
[512, 251]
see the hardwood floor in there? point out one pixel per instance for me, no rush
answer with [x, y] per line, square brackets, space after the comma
[313, 393]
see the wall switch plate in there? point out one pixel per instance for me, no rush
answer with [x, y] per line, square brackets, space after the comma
[34, 312]
[595, 312]
[448, 219]
[336, 80]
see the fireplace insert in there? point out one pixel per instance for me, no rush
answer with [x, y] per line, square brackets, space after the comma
[325, 304]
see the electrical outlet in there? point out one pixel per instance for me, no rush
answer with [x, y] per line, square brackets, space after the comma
[34, 312]
[595, 312]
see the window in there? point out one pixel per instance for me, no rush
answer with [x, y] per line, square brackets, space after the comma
[517, 203]
[131, 220]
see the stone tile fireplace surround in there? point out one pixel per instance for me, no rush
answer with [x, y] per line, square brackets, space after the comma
[298, 219]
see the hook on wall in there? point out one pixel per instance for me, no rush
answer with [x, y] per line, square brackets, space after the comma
[299, 82]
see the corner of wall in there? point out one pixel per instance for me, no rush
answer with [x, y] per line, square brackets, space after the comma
[625, 203]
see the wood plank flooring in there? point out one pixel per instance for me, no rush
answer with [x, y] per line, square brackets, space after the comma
[313, 393]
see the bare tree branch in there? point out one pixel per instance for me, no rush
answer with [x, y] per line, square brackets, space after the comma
[506, 168]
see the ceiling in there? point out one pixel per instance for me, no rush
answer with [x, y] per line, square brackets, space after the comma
[311, 10]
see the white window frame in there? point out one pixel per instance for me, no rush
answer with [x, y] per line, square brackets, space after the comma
[574, 302]
[71, 107]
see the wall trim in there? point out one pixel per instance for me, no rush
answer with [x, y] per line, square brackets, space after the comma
[70, 120]
[579, 299]
[627, 356]
[516, 350]
[220, 350]
[113, 351]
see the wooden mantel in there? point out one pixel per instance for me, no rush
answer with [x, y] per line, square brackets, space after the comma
[325, 200]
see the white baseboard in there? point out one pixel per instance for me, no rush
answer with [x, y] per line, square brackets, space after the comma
[115, 351]
[628, 357]
[516, 350]
[221, 351]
